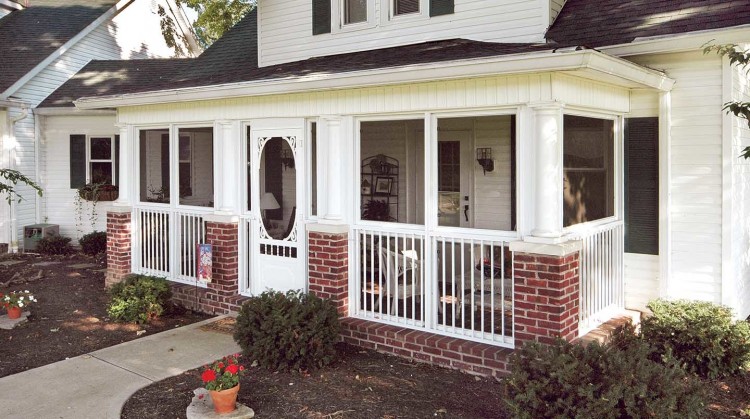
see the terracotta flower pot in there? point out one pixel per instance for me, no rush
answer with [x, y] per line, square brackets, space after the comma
[225, 401]
[14, 312]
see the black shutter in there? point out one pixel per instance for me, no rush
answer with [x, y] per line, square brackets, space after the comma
[441, 7]
[321, 16]
[116, 162]
[642, 185]
[77, 161]
[165, 157]
[273, 176]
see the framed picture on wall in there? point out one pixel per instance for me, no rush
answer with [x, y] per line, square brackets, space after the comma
[383, 185]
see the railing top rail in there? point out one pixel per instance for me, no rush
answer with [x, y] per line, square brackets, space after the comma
[583, 231]
[196, 211]
[397, 229]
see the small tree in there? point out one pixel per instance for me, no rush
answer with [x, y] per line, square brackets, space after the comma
[740, 58]
[9, 180]
[214, 18]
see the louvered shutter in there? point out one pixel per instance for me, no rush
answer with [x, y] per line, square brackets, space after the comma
[642, 185]
[77, 161]
[441, 7]
[321, 16]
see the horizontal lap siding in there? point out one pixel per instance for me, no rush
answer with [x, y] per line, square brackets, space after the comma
[695, 174]
[739, 295]
[419, 97]
[286, 28]
[641, 280]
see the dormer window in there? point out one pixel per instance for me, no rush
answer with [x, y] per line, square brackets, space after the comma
[354, 11]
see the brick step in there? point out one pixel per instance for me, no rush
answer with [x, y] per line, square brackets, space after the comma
[605, 331]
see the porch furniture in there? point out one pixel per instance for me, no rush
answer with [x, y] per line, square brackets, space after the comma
[399, 278]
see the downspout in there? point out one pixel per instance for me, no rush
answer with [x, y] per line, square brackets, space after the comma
[11, 157]
[37, 167]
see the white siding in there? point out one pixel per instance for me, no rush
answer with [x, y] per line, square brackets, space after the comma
[739, 294]
[641, 280]
[554, 9]
[419, 97]
[58, 202]
[695, 174]
[285, 32]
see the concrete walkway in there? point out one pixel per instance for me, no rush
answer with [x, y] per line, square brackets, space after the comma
[98, 384]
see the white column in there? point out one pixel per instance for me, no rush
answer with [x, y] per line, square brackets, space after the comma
[330, 145]
[226, 164]
[127, 175]
[548, 184]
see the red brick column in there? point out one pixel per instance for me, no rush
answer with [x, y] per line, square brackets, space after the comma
[224, 286]
[546, 297]
[118, 246]
[328, 267]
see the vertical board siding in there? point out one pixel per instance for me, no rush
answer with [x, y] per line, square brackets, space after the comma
[286, 28]
[420, 97]
[695, 174]
[740, 198]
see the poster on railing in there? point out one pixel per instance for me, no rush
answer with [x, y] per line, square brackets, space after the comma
[205, 254]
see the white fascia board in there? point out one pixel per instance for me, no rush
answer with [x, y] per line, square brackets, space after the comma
[11, 5]
[690, 41]
[62, 111]
[593, 63]
[65, 47]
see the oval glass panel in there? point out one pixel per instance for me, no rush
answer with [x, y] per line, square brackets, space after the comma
[278, 188]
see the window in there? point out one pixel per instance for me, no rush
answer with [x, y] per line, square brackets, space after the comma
[93, 159]
[154, 167]
[405, 7]
[589, 175]
[354, 11]
[196, 166]
[313, 169]
[101, 160]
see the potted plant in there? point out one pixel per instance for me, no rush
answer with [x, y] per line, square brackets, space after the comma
[98, 192]
[376, 210]
[16, 301]
[222, 380]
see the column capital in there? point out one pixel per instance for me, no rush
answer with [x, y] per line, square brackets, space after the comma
[224, 122]
[546, 105]
[121, 126]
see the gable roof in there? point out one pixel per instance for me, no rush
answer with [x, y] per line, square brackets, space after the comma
[30, 35]
[596, 23]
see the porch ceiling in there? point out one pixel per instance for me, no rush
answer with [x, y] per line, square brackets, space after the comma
[587, 64]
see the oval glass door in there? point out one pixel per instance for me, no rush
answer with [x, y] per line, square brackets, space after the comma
[278, 189]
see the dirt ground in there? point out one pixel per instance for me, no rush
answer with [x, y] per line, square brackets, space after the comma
[70, 318]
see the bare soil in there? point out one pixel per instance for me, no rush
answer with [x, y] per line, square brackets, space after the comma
[70, 317]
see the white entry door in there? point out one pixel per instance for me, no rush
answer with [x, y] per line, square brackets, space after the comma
[277, 197]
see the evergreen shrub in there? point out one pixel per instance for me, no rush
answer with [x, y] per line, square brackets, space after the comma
[567, 380]
[139, 299]
[288, 331]
[701, 336]
[54, 245]
[94, 243]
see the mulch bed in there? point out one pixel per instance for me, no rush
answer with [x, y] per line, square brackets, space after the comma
[70, 318]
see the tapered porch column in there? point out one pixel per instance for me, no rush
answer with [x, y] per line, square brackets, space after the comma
[330, 157]
[548, 184]
[125, 168]
[226, 146]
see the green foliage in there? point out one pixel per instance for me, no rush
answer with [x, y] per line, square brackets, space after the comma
[94, 243]
[9, 179]
[139, 299]
[289, 331]
[215, 17]
[567, 380]
[701, 336]
[54, 245]
[739, 58]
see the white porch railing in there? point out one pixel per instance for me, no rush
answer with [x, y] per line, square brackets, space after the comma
[456, 285]
[602, 269]
[165, 242]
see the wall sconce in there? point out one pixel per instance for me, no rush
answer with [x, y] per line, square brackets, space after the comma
[287, 159]
[484, 158]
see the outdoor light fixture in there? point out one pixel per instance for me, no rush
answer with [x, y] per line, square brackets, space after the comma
[484, 158]
[287, 159]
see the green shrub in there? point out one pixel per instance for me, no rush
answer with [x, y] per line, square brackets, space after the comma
[701, 336]
[139, 299]
[94, 243]
[288, 331]
[567, 380]
[54, 245]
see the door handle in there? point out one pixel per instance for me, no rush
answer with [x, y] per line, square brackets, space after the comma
[466, 212]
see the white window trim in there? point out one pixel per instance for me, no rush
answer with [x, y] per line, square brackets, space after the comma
[389, 12]
[111, 159]
[337, 18]
[308, 182]
[174, 159]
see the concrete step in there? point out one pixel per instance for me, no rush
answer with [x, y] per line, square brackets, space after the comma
[604, 332]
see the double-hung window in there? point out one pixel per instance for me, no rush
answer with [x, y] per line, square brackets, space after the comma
[101, 160]
[354, 11]
[405, 7]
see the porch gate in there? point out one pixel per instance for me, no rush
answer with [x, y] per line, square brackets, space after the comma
[457, 284]
[602, 289]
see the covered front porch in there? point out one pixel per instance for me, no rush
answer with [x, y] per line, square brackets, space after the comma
[486, 210]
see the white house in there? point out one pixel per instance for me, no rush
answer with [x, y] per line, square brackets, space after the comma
[42, 44]
[458, 176]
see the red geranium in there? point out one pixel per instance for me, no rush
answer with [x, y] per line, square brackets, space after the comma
[233, 369]
[223, 374]
[208, 375]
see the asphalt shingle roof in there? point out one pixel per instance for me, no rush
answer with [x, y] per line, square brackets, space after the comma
[596, 23]
[30, 35]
